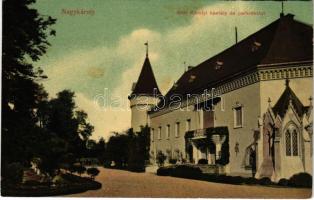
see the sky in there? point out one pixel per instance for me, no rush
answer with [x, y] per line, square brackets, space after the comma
[99, 53]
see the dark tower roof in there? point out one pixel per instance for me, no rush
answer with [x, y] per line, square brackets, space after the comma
[146, 82]
[283, 102]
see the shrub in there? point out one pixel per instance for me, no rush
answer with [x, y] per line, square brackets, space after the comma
[13, 173]
[186, 171]
[264, 181]
[283, 182]
[234, 180]
[251, 181]
[301, 180]
[107, 163]
[203, 161]
[173, 161]
[160, 158]
[80, 170]
[136, 167]
[164, 171]
[92, 172]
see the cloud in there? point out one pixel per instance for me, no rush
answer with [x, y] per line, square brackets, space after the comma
[104, 121]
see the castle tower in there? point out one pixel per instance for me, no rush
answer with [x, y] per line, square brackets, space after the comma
[144, 96]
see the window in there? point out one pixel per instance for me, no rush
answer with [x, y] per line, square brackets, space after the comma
[295, 143]
[168, 131]
[188, 125]
[177, 129]
[292, 143]
[152, 134]
[238, 117]
[159, 133]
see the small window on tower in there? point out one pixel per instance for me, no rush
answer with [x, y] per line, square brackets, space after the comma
[255, 46]
[218, 65]
[192, 78]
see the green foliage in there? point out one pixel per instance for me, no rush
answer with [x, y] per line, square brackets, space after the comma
[117, 149]
[138, 149]
[183, 171]
[173, 161]
[129, 150]
[33, 126]
[160, 158]
[301, 180]
[92, 172]
[24, 39]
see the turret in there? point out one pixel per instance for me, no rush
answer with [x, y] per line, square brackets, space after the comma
[144, 96]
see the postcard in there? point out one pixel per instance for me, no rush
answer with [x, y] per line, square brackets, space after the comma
[157, 99]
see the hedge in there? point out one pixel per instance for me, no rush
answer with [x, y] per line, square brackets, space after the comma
[193, 172]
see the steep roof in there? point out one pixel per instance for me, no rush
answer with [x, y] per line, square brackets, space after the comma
[146, 82]
[283, 102]
[284, 40]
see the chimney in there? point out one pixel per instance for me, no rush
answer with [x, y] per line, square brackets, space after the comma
[236, 35]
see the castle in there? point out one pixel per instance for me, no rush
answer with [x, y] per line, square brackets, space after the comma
[248, 107]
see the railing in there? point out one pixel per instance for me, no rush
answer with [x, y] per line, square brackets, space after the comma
[199, 133]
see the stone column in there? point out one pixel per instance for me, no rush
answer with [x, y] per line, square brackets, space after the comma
[277, 158]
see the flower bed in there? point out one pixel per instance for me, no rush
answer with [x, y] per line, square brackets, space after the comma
[73, 184]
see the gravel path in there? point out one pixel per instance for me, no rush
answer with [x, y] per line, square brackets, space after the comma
[119, 183]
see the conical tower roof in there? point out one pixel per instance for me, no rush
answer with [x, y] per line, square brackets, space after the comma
[146, 83]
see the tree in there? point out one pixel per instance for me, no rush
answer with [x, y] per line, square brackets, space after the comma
[25, 34]
[85, 129]
[101, 150]
[67, 123]
[117, 149]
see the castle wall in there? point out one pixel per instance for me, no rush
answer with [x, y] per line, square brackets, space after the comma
[172, 118]
[249, 99]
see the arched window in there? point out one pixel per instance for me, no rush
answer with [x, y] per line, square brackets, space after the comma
[288, 143]
[292, 143]
[295, 143]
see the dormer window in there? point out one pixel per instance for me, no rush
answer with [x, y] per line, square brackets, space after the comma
[192, 78]
[255, 46]
[218, 65]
